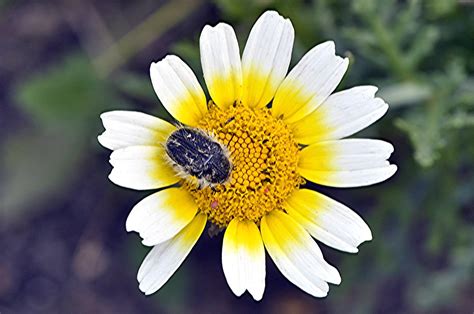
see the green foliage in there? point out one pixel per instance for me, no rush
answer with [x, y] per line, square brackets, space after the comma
[63, 105]
[68, 95]
[136, 86]
[37, 166]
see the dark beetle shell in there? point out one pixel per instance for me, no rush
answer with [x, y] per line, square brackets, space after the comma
[198, 154]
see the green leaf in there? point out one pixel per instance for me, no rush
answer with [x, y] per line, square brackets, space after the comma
[38, 165]
[403, 94]
[68, 95]
[64, 104]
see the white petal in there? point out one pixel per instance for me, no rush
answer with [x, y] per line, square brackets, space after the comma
[162, 215]
[178, 90]
[130, 128]
[310, 82]
[220, 59]
[141, 168]
[266, 58]
[327, 220]
[341, 115]
[296, 254]
[243, 258]
[165, 258]
[347, 162]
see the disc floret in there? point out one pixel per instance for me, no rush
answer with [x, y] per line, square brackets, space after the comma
[264, 157]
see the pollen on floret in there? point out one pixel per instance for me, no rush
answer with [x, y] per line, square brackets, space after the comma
[264, 157]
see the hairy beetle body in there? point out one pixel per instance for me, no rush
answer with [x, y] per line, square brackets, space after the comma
[197, 154]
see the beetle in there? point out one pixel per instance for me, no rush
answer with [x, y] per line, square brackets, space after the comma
[195, 153]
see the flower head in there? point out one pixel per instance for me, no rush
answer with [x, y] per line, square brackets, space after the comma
[265, 132]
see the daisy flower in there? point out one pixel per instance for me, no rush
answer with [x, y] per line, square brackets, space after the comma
[272, 131]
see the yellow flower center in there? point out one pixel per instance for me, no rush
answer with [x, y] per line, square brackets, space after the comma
[264, 156]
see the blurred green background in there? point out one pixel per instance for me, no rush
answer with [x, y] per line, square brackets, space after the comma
[63, 245]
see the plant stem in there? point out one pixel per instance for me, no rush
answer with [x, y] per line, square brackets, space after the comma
[143, 34]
